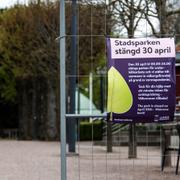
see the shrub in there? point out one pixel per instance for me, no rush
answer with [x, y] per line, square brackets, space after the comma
[91, 131]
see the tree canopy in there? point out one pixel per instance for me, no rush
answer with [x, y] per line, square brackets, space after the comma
[28, 47]
[157, 17]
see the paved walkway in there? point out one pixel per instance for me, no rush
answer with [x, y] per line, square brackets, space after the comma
[33, 160]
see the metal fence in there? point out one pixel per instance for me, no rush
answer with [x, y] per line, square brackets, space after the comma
[107, 158]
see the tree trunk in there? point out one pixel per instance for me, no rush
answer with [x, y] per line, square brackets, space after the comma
[161, 10]
[22, 104]
[51, 125]
[37, 109]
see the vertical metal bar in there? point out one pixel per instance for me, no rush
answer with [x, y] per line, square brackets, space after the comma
[62, 90]
[71, 125]
[132, 141]
[90, 92]
[109, 136]
[101, 93]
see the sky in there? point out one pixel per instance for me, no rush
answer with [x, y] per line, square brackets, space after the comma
[9, 3]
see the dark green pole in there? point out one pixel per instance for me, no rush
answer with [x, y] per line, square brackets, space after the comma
[71, 124]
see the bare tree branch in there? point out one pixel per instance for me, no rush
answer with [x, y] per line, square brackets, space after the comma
[173, 12]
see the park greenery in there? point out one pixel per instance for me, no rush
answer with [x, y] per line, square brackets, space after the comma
[29, 61]
[29, 51]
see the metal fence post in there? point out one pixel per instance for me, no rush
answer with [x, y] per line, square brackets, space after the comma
[62, 90]
[71, 125]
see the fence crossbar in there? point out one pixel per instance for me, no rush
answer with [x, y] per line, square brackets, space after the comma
[97, 115]
[86, 115]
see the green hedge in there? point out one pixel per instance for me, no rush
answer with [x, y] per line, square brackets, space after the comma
[86, 129]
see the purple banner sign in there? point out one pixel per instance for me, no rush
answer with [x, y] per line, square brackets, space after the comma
[141, 80]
